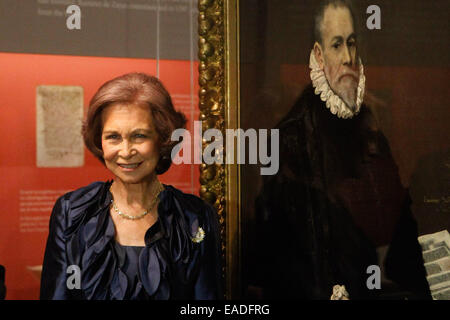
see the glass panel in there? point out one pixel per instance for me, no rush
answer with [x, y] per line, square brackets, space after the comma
[53, 58]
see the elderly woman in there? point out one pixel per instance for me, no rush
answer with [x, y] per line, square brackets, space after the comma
[132, 237]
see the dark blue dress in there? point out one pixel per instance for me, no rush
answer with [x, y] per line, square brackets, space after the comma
[170, 266]
[129, 264]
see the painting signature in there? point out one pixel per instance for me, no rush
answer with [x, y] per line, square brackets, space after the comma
[443, 203]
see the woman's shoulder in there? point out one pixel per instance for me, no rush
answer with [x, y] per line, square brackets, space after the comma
[191, 204]
[72, 205]
[188, 199]
[85, 193]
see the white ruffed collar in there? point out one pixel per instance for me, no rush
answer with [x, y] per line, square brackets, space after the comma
[334, 103]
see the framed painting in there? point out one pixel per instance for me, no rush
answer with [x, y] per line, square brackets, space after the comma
[255, 63]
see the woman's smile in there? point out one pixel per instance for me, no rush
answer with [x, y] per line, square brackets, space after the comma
[129, 166]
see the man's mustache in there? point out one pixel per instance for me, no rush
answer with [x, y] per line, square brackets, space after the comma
[349, 72]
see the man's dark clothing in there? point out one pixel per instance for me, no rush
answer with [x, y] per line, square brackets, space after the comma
[336, 198]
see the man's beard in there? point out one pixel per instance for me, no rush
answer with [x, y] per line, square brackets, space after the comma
[346, 98]
[346, 87]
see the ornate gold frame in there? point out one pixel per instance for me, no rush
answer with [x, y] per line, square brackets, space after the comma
[218, 28]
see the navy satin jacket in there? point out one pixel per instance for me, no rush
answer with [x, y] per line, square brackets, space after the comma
[171, 265]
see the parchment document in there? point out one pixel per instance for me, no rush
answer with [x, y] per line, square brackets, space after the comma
[59, 114]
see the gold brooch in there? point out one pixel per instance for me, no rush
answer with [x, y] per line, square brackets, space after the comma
[199, 236]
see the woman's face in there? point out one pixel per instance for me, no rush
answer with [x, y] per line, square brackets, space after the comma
[129, 142]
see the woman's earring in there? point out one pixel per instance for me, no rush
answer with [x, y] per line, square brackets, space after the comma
[163, 164]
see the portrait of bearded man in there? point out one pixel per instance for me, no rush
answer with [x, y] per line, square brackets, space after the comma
[337, 205]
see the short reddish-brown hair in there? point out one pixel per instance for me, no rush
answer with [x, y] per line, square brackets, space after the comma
[134, 89]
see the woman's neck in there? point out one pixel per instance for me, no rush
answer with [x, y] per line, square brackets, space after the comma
[135, 194]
